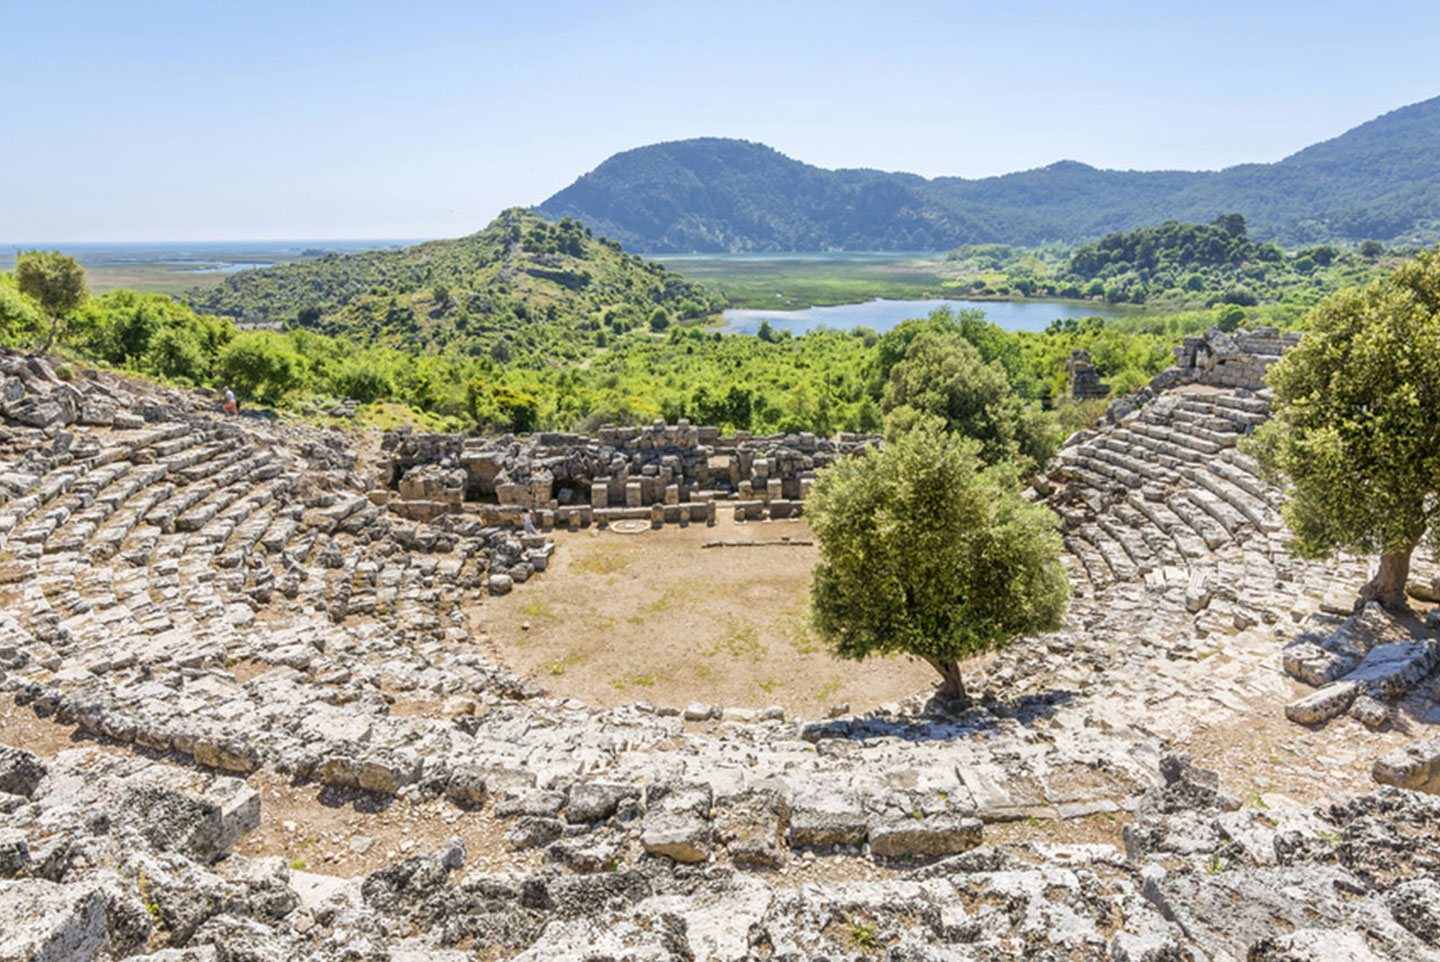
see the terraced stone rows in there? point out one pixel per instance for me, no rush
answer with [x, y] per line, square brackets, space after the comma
[279, 629]
[1172, 488]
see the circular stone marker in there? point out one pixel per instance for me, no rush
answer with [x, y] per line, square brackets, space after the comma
[630, 526]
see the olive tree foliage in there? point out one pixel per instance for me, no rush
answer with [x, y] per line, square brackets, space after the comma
[942, 375]
[926, 550]
[261, 364]
[1355, 435]
[56, 281]
[20, 317]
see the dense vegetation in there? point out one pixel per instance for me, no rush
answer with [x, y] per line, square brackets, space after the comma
[602, 358]
[825, 381]
[1378, 180]
[519, 284]
[1173, 266]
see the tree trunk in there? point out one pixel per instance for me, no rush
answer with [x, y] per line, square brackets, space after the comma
[1388, 585]
[54, 327]
[951, 686]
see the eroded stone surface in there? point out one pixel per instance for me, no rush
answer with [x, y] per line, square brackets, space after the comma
[273, 603]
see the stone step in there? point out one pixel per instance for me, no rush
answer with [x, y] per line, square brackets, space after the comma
[1245, 403]
[1117, 454]
[1160, 544]
[1117, 559]
[1093, 562]
[1190, 546]
[1254, 510]
[1197, 447]
[1198, 519]
[1136, 548]
[1098, 463]
[1222, 511]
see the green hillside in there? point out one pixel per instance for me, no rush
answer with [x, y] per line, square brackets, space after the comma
[1379, 181]
[519, 284]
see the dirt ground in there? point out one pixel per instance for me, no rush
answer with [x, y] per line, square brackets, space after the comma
[654, 616]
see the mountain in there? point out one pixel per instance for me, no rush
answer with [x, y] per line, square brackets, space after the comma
[521, 277]
[1380, 180]
[713, 194]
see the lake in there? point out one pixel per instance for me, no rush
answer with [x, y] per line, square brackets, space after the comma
[881, 315]
[226, 267]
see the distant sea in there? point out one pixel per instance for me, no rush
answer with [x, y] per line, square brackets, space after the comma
[201, 257]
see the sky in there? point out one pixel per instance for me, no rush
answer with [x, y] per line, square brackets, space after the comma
[141, 121]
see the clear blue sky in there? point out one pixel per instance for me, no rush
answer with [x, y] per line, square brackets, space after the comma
[195, 121]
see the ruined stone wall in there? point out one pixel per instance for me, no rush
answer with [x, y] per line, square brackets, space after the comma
[1084, 380]
[681, 468]
[1238, 360]
[1217, 359]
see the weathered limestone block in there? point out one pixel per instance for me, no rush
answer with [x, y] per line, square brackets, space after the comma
[1428, 591]
[100, 413]
[48, 922]
[780, 509]
[14, 849]
[1332, 700]
[202, 822]
[896, 833]
[1415, 766]
[752, 827]
[20, 771]
[634, 494]
[821, 819]
[532, 831]
[677, 821]
[225, 754]
[482, 466]
[1393, 668]
[466, 785]
[1314, 665]
[1369, 710]
[596, 801]
[512, 494]
[533, 802]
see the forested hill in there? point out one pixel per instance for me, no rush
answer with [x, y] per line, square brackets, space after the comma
[713, 194]
[520, 278]
[1380, 181]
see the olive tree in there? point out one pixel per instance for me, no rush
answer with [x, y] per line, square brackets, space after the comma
[926, 550]
[1355, 436]
[942, 375]
[56, 281]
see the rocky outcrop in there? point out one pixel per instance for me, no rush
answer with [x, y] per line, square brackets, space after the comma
[1210, 883]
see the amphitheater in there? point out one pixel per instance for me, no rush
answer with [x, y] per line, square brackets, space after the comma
[210, 630]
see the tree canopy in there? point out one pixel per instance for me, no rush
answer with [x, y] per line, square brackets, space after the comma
[56, 281]
[1356, 428]
[928, 551]
[942, 376]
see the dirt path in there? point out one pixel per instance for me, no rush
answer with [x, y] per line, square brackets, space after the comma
[656, 617]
